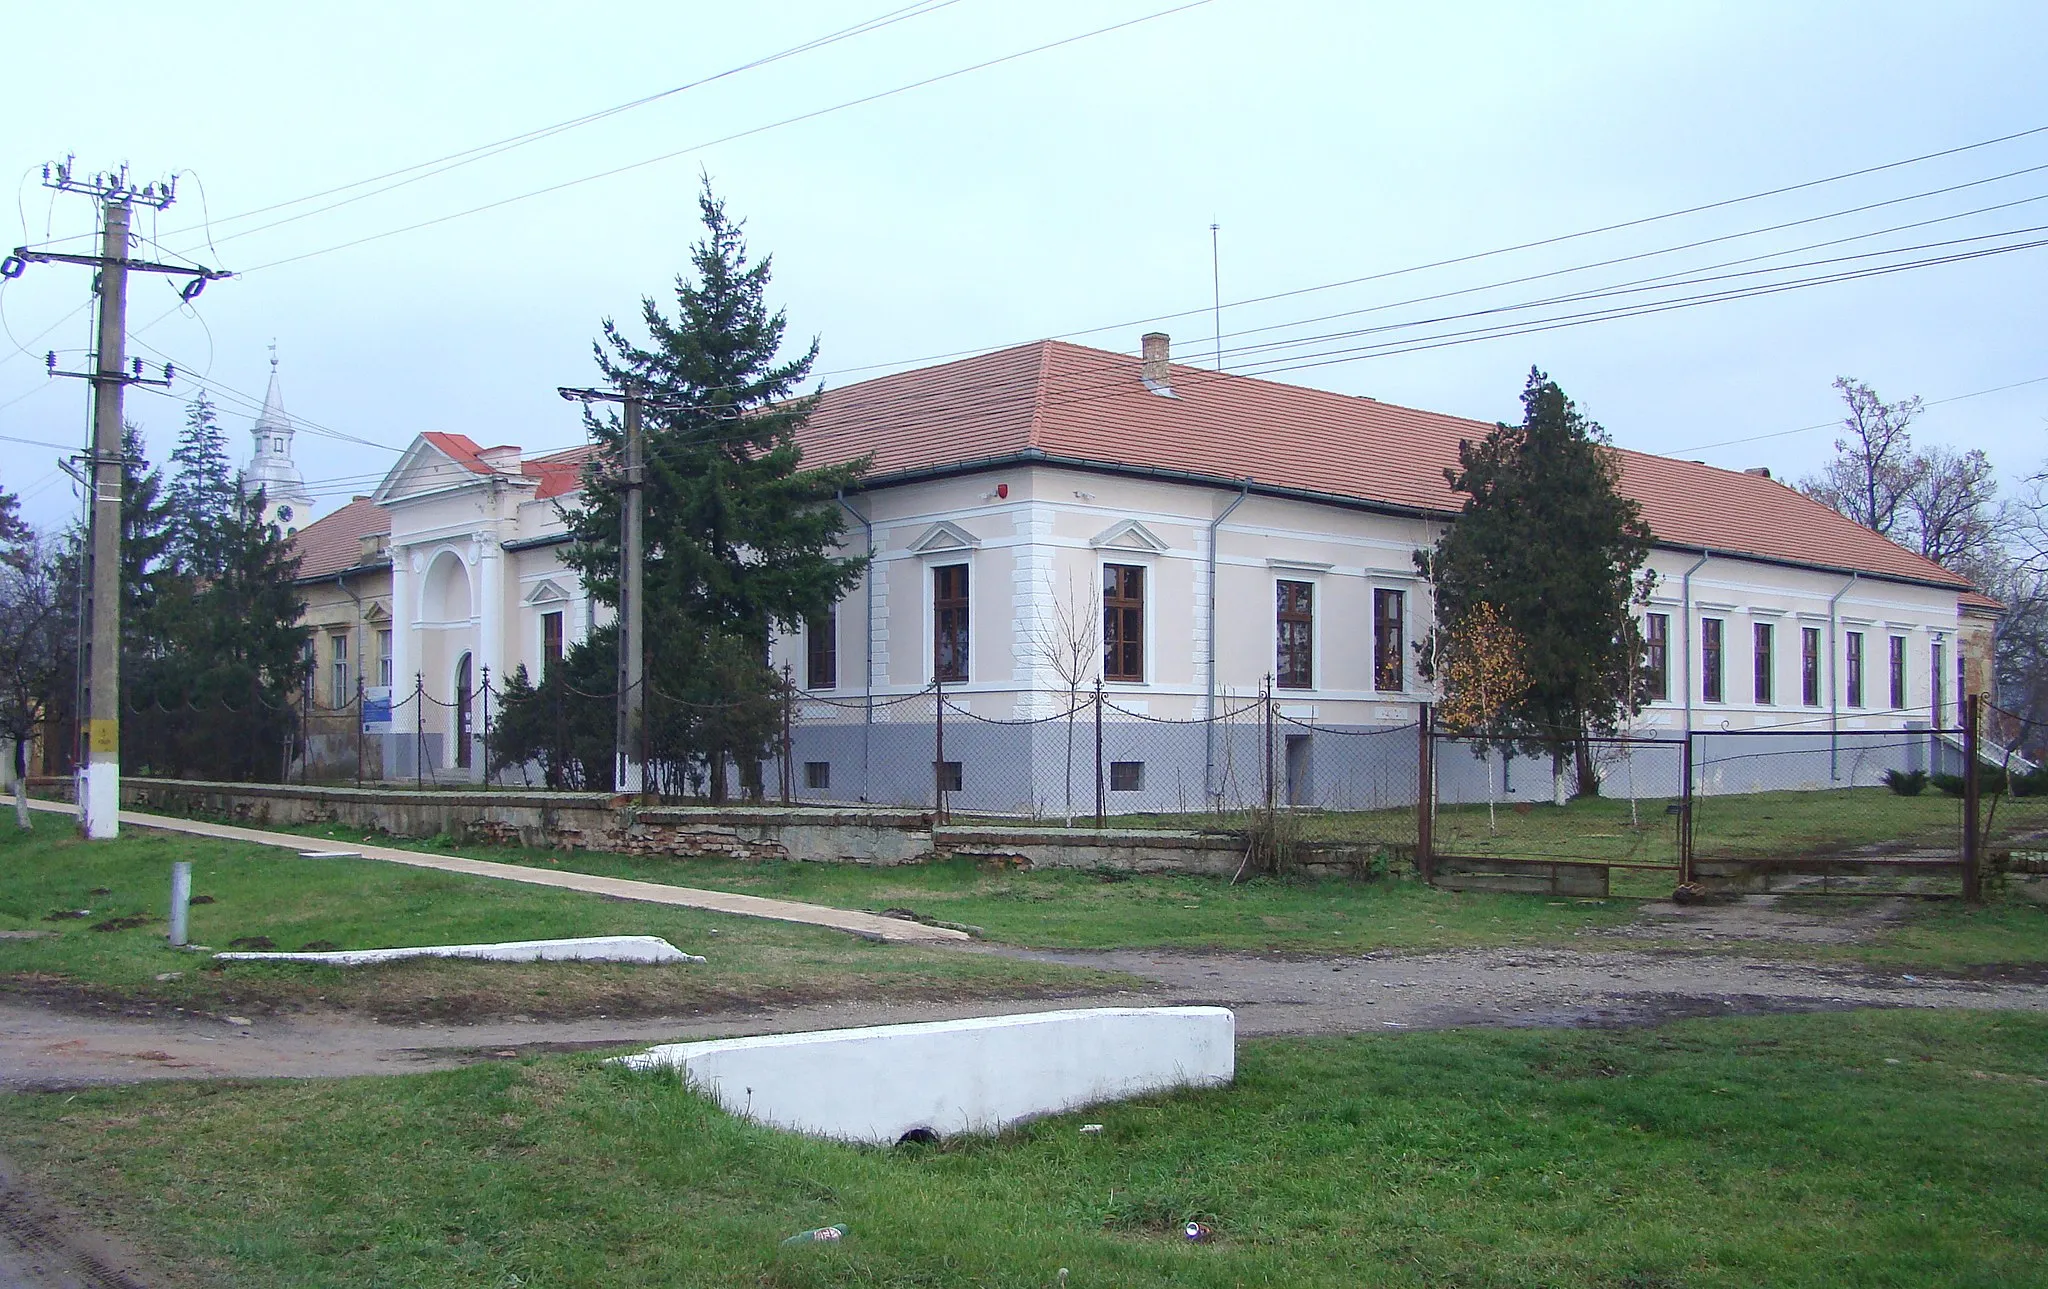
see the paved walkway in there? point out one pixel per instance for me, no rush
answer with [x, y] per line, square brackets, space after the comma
[866, 925]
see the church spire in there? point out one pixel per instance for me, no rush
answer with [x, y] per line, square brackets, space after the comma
[286, 502]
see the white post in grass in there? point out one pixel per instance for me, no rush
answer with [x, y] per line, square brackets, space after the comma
[181, 901]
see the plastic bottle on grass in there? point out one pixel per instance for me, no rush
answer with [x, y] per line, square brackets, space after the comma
[822, 1235]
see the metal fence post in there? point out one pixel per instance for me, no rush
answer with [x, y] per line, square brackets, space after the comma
[360, 722]
[419, 729]
[1425, 794]
[1101, 802]
[486, 700]
[939, 750]
[1685, 804]
[1973, 840]
[788, 702]
[1266, 708]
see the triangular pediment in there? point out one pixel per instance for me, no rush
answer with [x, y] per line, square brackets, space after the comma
[945, 536]
[1129, 535]
[424, 470]
[377, 611]
[548, 592]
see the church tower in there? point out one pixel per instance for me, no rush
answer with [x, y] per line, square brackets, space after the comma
[286, 502]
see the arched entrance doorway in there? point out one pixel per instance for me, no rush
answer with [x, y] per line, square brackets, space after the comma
[464, 694]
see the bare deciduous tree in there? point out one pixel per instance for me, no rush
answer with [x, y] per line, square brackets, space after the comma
[1069, 644]
[1869, 478]
[32, 623]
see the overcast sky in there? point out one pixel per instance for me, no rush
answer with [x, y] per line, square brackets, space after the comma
[1056, 193]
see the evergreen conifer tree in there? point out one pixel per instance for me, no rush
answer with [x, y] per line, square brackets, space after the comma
[1547, 538]
[203, 494]
[740, 536]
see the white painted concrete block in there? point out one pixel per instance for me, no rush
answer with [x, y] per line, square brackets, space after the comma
[595, 948]
[979, 1075]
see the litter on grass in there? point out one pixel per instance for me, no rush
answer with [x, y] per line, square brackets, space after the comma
[596, 948]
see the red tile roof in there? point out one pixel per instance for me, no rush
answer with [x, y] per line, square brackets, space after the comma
[459, 448]
[558, 472]
[334, 543]
[1069, 401]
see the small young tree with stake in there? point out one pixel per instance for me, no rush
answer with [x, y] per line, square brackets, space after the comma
[1480, 666]
[1069, 643]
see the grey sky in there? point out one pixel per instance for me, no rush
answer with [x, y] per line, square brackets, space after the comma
[1069, 190]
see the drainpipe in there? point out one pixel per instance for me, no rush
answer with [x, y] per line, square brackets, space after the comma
[1834, 685]
[1209, 785]
[867, 717]
[1685, 635]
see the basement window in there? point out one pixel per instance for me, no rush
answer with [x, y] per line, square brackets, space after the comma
[817, 774]
[948, 775]
[1126, 776]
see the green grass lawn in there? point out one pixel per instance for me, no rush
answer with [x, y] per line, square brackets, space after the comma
[355, 904]
[1875, 1148]
[1066, 909]
[1763, 824]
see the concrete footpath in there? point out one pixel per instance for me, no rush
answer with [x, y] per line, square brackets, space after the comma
[866, 925]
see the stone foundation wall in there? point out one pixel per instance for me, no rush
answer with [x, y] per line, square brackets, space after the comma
[597, 821]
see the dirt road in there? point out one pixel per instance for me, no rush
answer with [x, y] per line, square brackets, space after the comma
[46, 1046]
[43, 1046]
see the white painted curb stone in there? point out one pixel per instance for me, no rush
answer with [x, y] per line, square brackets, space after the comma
[980, 1075]
[596, 948]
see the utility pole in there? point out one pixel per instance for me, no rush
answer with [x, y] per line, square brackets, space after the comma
[99, 664]
[628, 772]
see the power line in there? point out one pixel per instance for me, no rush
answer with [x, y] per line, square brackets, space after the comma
[742, 134]
[1111, 370]
[1836, 424]
[469, 156]
[1475, 255]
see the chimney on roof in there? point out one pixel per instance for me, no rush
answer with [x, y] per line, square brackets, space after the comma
[1155, 366]
[503, 458]
[1760, 471]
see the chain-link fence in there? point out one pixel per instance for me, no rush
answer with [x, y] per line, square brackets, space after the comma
[1494, 801]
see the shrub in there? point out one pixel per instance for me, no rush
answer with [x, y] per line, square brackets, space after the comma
[1990, 782]
[1907, 783]
[2031, 783]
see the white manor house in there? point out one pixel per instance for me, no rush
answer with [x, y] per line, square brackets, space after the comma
[1231, 528]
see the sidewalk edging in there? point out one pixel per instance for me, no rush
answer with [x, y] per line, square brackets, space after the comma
[868, 926]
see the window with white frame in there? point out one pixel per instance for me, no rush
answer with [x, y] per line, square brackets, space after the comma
[338, 676]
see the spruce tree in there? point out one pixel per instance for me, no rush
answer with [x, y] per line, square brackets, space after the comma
[1546, 537]
[203, 493]
[740, 536]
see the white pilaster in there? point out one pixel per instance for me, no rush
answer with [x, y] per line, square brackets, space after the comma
[404, 657]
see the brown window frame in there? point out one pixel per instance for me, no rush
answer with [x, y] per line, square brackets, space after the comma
[1713, 660]
[1809, 666]
[554, 639]
[952, 609]
[1763, 639]
[1938, 682]
[821, 650]
[1389, 640]
[1897, 664]
[1123, 623]
[1657, 655]
[1294, 634]
[1853, 654]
